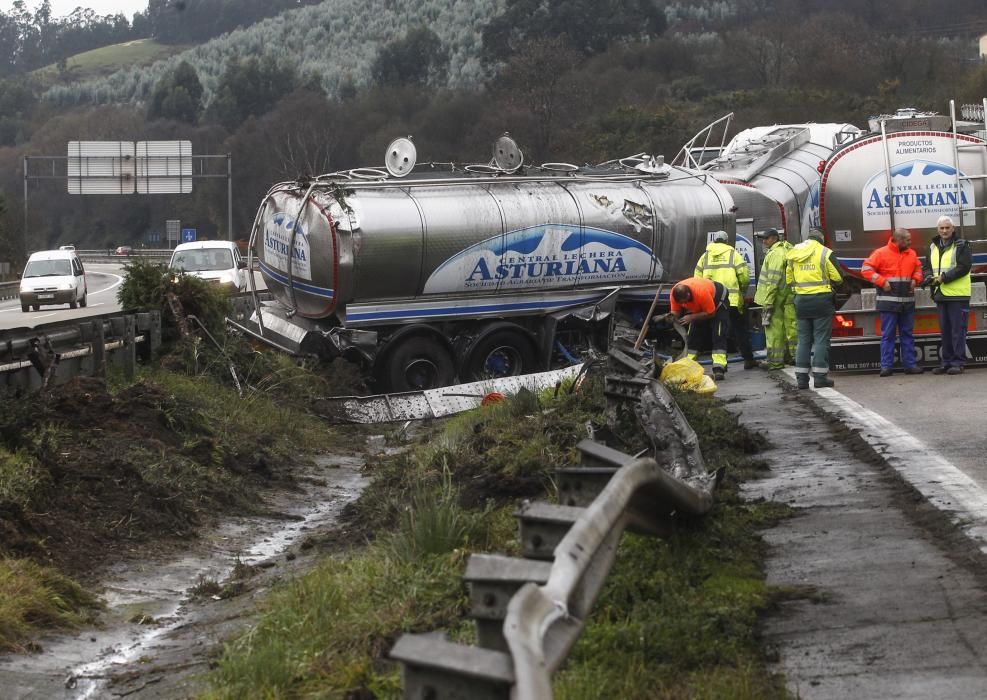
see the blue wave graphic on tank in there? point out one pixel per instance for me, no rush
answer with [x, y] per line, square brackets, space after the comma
[547, 256]
[906, 169]
[282, 220]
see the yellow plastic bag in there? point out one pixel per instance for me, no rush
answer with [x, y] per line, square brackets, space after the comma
[688, 375]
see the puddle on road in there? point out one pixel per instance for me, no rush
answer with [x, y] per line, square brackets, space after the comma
[79, 666]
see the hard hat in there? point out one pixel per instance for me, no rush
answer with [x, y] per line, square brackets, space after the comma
[720, 237]
[816, 235]
[767, 233]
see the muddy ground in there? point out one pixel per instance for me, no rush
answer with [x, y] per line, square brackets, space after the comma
[180, 546]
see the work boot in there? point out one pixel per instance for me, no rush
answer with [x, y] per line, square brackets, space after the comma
[886, 372]
[802, 381]
[914, 370]
[939, 370]
[750, 364]
[821, 381]
[719, 373]
[954, 370]
[764, 364]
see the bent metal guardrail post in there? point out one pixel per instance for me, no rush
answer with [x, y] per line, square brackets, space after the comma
[32, 358]
[529, 612]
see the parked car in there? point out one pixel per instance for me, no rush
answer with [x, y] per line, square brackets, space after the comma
[218, 262]
[53, 277]
[124, 250]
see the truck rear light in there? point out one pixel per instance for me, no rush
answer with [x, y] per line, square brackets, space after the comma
[844, 327]
[821, 166]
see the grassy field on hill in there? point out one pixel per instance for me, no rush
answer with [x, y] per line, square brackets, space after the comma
[104, 61]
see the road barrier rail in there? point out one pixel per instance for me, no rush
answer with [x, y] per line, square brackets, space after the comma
[31, 359]
[530, 611]
[108, 255]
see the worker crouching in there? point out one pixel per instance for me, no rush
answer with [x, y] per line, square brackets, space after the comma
[697, 299]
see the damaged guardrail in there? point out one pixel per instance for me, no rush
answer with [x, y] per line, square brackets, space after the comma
[530, 611]
[31, 359]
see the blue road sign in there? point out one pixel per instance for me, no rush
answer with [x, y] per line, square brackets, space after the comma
[188, 235]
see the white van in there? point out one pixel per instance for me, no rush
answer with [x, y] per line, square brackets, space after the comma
[53, 277]
[213, 261]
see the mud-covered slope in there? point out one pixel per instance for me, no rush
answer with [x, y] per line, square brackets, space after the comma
[87, 476]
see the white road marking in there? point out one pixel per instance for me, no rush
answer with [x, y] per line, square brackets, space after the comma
[43, 315]
[945, 485]
[107, 274]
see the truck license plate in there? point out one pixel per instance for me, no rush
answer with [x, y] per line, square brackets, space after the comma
[46, 296]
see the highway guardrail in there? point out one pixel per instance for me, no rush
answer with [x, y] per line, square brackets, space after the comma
[31, 359]
[9, 290]
[530, 611]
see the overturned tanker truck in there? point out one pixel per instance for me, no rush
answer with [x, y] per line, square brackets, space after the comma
[429, 274]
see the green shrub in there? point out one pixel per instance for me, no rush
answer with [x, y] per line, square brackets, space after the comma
[145, 287]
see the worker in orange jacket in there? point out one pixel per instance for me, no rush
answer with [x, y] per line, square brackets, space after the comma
[895, 270]
[698, 299]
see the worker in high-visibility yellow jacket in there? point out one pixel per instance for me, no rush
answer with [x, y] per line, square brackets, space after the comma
[721, 263]
[811, 273]
[777, 302]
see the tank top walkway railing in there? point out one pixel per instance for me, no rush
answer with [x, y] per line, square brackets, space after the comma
[530, 611]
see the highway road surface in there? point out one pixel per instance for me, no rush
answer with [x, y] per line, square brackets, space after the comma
[103, 280]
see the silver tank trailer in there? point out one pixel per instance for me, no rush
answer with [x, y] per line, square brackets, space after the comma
[368, 253]
[772, 174]
[909, 178]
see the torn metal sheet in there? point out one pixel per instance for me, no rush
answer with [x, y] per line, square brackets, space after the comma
[436, 403]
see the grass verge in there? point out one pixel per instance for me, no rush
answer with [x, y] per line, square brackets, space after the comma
[33, 596]
[677, 618]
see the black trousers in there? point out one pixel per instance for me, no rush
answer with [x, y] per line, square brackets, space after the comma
[719, 327]
[741, 333]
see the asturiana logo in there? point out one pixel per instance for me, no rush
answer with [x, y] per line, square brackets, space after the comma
[279, 247]
[920, 191]
[277, 239]
[552, 255]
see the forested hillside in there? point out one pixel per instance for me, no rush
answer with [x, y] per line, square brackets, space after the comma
[327, 86]
[333, 44]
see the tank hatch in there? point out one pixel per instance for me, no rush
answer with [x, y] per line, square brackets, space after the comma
[910, 119]
[745, 160]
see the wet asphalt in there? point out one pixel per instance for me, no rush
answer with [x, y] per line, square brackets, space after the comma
[887, 596]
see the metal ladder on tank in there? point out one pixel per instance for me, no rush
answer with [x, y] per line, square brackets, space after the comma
[978, 112]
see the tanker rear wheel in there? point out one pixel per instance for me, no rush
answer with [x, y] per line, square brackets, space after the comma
[507, 352]
[419, 363]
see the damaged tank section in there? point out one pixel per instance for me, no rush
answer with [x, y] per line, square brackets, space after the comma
[427, 276]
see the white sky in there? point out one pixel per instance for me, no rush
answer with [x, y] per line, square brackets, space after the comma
[61, 8]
